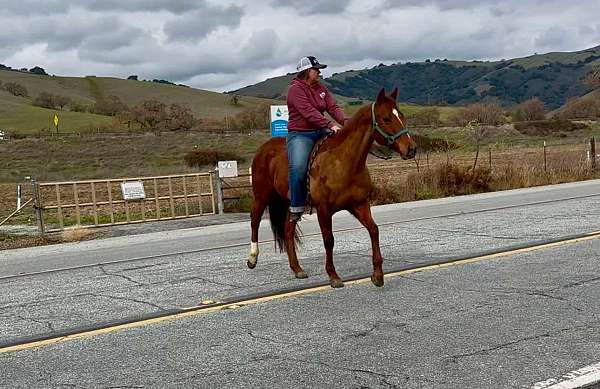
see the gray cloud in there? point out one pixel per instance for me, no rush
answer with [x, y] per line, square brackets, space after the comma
[200, 23]
[174, 6]
[224, 44]
[554, 36]
[315, 6]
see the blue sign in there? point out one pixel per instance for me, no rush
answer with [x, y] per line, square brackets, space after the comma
[279, 120]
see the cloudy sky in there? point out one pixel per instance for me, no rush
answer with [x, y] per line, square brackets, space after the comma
[223, 45]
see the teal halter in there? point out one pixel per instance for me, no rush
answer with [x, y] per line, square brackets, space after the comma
[389, 138]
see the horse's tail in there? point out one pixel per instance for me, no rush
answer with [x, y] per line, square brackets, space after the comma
[278, 212]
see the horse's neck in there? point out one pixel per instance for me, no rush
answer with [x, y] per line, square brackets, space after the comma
[356, 140]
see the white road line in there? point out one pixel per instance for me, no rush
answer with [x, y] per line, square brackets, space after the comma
[575, 379]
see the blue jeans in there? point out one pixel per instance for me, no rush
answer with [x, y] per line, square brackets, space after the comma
[299, 146]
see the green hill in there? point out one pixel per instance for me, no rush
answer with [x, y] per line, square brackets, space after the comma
[17, 113]
[553, 77]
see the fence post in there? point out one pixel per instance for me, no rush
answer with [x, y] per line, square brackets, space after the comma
[593, 152]
[545, 159]
[219, 190]
[490, 157]
[39, 214]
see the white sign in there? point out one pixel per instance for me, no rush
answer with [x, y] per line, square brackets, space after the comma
[279, 120]
[2, 134]
[228, 169]
[133, 190]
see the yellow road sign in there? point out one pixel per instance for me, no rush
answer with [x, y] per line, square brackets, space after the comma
[55, 120]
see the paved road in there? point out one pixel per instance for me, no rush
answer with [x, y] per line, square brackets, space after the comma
[506, 322]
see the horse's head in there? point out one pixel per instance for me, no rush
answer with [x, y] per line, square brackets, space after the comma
[390, 125]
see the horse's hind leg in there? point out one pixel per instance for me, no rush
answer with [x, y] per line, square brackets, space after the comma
[363, 213]
[327, 231]
[258, 207]
[290, 248]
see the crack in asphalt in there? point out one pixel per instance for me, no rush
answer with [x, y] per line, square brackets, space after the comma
[525, 292]
[381, 376]
[192, 278]
[578, 283]
[143, 266]
[105, 272]
[129, 299]
[45, 323]
[501, 346]
[252, 335]
[468, 233]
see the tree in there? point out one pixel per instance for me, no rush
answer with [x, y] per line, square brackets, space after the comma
[109, 106]
[62, 101]
[16, 89]
[180, 118]
[133, 77]
[38, 70]
[532, 109]
[593, 78]
[45, 100]
[235, 100]
[150, 114]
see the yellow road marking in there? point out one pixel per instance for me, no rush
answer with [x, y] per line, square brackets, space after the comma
[194, 311]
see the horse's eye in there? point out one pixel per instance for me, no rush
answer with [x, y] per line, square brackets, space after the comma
[387, 120]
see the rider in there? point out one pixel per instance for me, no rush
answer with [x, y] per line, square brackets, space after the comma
[307, 100]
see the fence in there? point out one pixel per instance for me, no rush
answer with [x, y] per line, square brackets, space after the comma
[61, 205]
[95, 203]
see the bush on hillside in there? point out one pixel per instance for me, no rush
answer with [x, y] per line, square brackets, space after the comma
[109, 106]
[209, 157]
[16, 89]
[547, 127]
[488, 114]
[532, 109]
[425, 143]
[426, 117]
[252, 119]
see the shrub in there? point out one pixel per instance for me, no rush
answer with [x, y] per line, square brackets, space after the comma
[45, 100]
[490, 114]
[425, 143]
[109, 106]
[546, 127]
[427, 117]
[16, 89]
[532, 109]
[210, 157]
[252, 119]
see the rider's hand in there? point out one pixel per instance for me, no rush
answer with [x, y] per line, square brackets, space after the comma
[335, 128]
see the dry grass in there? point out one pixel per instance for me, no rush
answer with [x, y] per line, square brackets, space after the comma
[77, 234]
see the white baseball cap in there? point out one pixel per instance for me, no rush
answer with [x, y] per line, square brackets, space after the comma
[309, 62]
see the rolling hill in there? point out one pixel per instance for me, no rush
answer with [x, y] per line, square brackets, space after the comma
[18, 115]
[553, 77]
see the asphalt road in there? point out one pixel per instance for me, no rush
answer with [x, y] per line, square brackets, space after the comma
[503, 322]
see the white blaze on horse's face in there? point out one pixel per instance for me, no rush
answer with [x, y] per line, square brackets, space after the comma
[397, 114]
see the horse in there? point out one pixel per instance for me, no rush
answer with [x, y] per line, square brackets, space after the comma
[339, 180]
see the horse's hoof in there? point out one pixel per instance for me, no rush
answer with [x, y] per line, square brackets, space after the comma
[377, 280]
[336, 283]
[251, 264]
[301, 274]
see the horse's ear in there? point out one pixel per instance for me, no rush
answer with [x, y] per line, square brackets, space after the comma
[394, 94]
[381, 96]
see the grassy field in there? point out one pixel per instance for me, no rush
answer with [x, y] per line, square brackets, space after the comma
[17, 115]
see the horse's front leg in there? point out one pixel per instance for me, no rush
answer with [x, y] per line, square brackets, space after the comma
[327, 231]
[363, 213]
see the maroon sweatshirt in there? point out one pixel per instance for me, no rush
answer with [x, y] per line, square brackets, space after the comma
[306, 105]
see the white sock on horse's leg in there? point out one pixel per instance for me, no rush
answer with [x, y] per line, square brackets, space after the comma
[253, 252]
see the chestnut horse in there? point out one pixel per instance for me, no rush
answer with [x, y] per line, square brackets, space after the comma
[339, 180]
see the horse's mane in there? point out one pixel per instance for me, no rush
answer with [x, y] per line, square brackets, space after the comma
[352, 125]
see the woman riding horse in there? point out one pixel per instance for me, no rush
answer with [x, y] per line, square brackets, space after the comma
[307, 99]
[339, 181]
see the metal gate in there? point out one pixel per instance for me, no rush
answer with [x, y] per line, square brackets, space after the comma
[96, 203]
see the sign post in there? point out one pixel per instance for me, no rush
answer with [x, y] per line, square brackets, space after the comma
[279, 120]
[55, 120]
